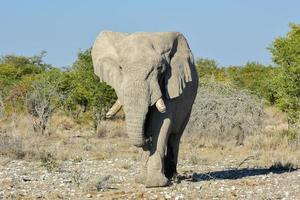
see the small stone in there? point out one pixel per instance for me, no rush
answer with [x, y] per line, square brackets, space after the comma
[89, 196]
[286, 194]
[67, 181]
[26, 178]
[180, 196]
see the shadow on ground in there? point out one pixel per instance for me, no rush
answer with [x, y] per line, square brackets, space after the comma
[233, 174]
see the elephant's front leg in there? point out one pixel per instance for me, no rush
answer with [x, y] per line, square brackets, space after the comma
[173, 149]
[155, 166]
[172, 155]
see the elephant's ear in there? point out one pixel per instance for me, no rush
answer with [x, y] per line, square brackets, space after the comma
[181, 61]
[105, 58]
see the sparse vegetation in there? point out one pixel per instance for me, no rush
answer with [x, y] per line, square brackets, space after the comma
[1, 107]
[103, 184]
[245, 117]
[11, 145]
[224, 111]
[76, 178]
[43, 100]
[49, 161]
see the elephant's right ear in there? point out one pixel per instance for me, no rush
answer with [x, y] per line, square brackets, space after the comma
[106, 60]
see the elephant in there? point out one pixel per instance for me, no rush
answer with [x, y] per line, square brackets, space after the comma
[154, 77]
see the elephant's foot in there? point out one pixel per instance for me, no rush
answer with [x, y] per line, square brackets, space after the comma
[156, 180]
[153, 180]
[155, 175]
[170, 169]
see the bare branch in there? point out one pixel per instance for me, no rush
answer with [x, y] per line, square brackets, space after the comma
[40, 103]
[222, 110]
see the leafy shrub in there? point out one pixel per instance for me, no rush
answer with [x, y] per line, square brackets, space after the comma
[286, 54]
[254, 77]
[207, 68]
[84, 92]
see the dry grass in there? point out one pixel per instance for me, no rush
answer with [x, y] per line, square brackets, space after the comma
[70, 141]
[66, 141]
[273, 144]
[263, 149]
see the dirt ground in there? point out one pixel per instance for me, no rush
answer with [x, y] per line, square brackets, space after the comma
[211, 174]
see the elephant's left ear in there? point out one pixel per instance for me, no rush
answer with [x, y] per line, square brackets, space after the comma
[181, 62]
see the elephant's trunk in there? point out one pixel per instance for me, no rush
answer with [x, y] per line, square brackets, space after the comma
[136, 104]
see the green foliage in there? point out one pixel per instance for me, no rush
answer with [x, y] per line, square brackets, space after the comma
[254, 77]
[16, 76]
[79, 92]
[286, 54]
[14, 68]
[85, 88]
[207, 68]
[76, 90]
[82, 88]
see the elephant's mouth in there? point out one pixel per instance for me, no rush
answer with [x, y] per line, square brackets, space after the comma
[137, 119]
[160, 105]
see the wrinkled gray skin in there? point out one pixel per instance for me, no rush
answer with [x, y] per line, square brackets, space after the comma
[144, 68]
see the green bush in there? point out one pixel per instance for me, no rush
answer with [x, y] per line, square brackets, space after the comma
[77, 90]
[254, 77]
[286, 54]
[83, 90]
[207, 68]
[16, 76]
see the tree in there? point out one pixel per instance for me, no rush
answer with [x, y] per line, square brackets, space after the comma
[43, 99]
[82, 88]
[16, 76]
[286, 54]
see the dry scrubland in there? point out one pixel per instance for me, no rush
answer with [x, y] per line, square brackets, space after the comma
[73, 162]
[233, 148]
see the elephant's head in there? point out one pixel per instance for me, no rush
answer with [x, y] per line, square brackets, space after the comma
[145, 69]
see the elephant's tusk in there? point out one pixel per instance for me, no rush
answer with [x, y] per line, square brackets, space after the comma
[114, 109]
[160, 105]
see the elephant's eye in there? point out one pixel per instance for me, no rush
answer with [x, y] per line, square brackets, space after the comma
[159, 68]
